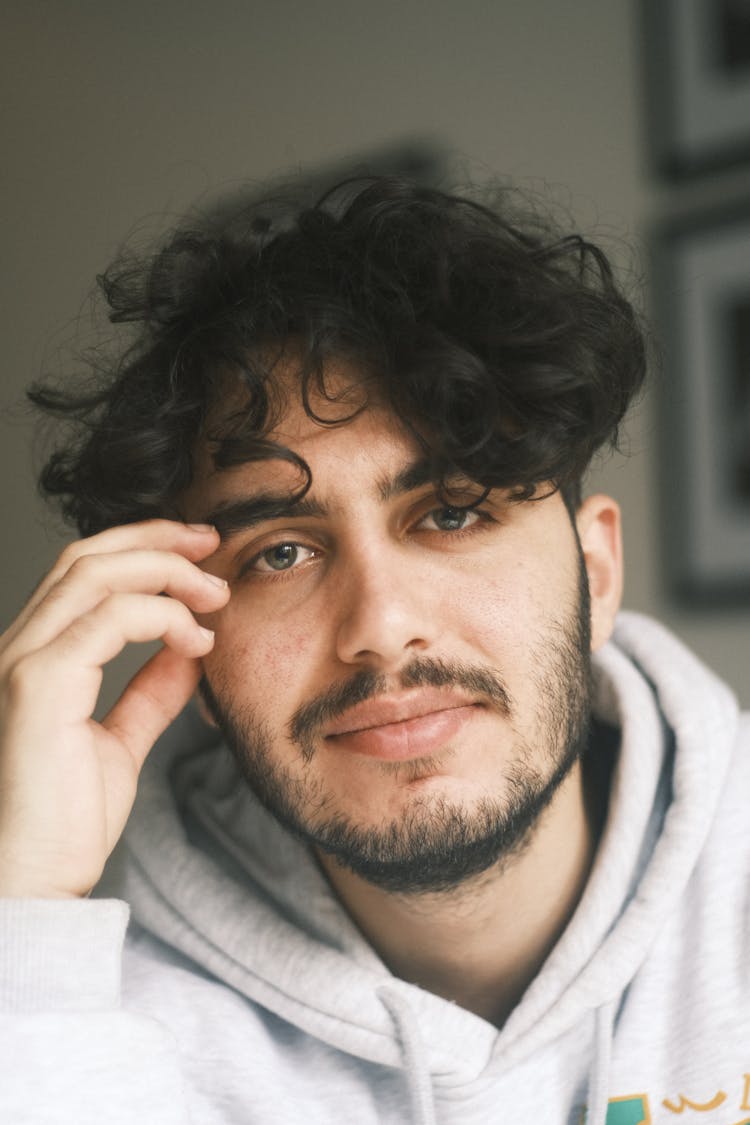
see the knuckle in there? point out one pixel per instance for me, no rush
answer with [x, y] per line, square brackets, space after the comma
[67, 562]
[20, 680]
[69, 555]
[81, 567]
[82, 572]
[8, 659]
[89, 570]
[119, 604]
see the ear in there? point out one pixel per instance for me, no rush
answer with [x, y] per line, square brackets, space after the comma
[599, 532]
[203, 709]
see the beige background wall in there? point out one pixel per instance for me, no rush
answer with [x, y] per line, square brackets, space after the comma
[111, 113]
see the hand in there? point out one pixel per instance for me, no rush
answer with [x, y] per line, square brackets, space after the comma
[67, 782]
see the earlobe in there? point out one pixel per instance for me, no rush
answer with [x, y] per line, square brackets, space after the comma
[203, 709]
[599, 532]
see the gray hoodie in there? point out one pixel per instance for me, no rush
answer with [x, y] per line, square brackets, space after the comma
[243, 993]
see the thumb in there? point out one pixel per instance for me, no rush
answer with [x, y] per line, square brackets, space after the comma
[153, 698]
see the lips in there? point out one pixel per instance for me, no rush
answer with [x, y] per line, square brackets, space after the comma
[401, 727]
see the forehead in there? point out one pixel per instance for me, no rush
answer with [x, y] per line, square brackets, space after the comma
[348, 438]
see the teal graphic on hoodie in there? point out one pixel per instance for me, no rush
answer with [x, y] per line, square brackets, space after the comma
[629, 1111]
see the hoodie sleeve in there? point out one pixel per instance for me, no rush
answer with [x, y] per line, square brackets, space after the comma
[70, 1054]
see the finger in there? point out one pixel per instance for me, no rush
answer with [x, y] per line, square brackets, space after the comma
[152, 699]
[92, 578]
[65, 675]
[193, 541]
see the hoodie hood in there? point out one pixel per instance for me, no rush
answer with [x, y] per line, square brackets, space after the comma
[212, 874]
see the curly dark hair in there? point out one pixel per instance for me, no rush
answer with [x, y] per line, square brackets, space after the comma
[509, 351]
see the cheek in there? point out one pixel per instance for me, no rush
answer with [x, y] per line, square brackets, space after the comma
[497, 613]
[263, 653]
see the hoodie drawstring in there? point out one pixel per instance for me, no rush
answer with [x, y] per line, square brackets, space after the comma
[417, 1071]
[598, 1091]
[416, 1066]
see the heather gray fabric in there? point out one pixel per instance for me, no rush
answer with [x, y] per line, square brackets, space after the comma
[248, 996]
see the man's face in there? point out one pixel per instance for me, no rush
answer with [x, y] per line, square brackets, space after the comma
[405, 684]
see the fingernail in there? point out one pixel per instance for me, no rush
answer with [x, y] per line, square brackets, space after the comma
[207, 633]
[214, 578]
[201, 526]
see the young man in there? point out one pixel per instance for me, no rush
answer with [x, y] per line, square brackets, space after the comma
[425, 859]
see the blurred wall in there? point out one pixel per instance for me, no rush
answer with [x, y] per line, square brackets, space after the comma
[111, 113]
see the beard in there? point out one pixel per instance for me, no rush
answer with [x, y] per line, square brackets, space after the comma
[437, 844]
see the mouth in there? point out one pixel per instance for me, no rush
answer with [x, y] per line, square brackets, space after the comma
[402, 728]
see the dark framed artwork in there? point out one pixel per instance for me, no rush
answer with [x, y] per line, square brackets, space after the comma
[698, 55]
[702, 289]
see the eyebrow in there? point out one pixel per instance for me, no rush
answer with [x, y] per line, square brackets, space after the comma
[243, 515]
[234, 516]
[407, 480]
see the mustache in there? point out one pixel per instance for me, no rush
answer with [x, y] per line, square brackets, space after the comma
[479, 682]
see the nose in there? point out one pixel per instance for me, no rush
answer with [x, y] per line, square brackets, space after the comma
[385, 610]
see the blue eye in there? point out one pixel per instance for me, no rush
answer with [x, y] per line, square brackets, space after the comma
[451, 519]
[282, 556]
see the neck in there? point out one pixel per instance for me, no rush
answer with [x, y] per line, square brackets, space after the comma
[481, 944]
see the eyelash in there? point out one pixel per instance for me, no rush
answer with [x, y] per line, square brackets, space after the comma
[481, 523]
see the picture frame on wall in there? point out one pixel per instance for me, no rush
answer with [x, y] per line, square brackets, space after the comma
[698, 54]
[702, 290]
